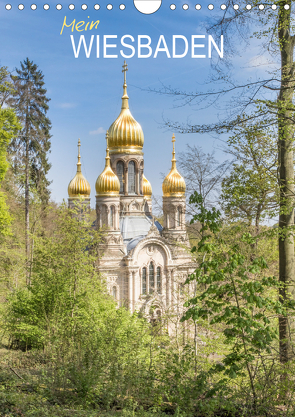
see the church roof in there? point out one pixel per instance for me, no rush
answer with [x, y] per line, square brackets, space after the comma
[125, 133]
[107, 184]
[79, 186]
[174, 184]
[135, 228]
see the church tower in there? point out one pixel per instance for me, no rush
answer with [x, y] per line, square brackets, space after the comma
[79, 188]
[174, 204]
[107, 188]
[147, 192]
[125, 143]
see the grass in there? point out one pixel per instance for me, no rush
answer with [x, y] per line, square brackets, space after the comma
[22, 393]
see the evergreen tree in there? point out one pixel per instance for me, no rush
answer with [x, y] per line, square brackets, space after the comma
[31, 146]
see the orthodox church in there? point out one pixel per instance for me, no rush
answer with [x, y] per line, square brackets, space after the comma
[145, 264]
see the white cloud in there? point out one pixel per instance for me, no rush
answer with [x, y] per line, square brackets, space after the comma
[66, 105]
[98, 131]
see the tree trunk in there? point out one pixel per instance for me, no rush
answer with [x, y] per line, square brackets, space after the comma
[27, 213]
[286, 171]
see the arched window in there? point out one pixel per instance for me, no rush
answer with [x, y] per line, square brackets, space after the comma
[181, 289]
[178, 216]
[115, 292]
[151, 277]
[112, 217]
[159, 283]
[120, 173]
[140, 182]
[144, 280]
[131, 177]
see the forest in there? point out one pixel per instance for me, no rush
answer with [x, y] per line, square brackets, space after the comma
[68, 349]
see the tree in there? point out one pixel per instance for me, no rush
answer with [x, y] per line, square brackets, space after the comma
[234, 291]
[29, 149]
[6, 87]
[274, 27]
[9, 127]
[251, 191]
[63, 277]
[202, 173]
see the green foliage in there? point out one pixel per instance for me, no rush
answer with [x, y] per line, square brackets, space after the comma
[63, 277]
[9, 127]
[236, 297]
[250, 191]
[97, 352]
[6, 86]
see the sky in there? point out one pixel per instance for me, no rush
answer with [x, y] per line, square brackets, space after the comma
[86, 92]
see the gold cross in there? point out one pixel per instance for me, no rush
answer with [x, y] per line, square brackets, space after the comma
[125, 68]
[107, 138]
[79, 144]
[173, 141]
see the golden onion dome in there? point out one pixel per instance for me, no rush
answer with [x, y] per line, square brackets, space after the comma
[174, 184]
[79, 186]
[125, 134]
[107, 183]
[146, 187]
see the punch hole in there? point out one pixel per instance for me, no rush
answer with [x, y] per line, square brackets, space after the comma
[58, 7]
[96, 7]
[109, 6]
[223, 6]
[33, 6]
[286, 7]
[8, 7]
[248, 7]
[71, 6]
[172, 6]
[236, 6]
[21, 7]
[46, 7]
[122, 7]
[260, 6]
[274, 7]
[198, 7]
[185, 7]
[84, 6]
[210, 6]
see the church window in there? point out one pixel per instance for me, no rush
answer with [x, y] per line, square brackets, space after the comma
[151, 277]
[144, 280]
[112, 215]
[178, 214]
[115, 292]
[131, 177]
[181, 289]
[159, 283]
[140, 182]
[120, 173]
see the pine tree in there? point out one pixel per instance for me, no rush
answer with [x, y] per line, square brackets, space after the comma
[29, 150]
